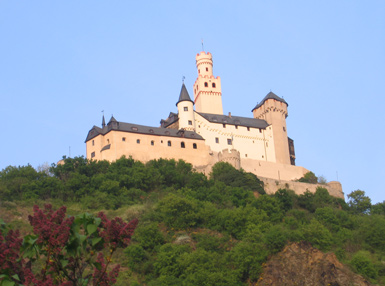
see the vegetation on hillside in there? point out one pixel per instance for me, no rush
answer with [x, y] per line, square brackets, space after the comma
[195, 230]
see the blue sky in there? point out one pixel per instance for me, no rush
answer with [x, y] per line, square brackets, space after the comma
[63, 62]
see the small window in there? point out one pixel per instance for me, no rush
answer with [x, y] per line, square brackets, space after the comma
[194, 145]
[152, 143]
[185, 108]
[248, 128]
[207, 69]
[93, 142]
[124, 139]
[92, 154]
[214, 84]
[216, 140]
[260, 130]
[138, 141]
[267, 144]
[134, 128]
[182, 145]
[108, 141]
[169, 143]
[224, 125]
[161, 141]
[236, 126]
[246, 155]
[199, 71]
[151, 131]
[229, 141]
[206, 84]
[189, 122]
[284, 129]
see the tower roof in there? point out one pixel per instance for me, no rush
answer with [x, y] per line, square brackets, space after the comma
[184, 96]
[270, 95]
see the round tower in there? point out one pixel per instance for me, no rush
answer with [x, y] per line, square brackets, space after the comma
[185, 110]
[273, 110]
[207, 88]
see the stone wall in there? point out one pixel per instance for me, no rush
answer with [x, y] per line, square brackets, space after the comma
[271, 186]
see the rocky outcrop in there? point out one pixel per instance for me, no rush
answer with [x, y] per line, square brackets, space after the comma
[303, 265]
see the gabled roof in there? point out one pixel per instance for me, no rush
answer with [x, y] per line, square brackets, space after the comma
[270, 95]
[141, 129]
[235, 120]
[184, 96]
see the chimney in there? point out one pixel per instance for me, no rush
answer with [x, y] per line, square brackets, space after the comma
[230, 114]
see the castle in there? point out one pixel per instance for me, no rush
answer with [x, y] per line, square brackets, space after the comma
[205, 136]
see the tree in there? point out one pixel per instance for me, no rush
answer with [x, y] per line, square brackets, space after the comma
[359, 203]
[309, 177]
[68, 251]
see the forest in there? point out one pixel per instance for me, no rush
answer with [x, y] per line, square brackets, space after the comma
[185, 228]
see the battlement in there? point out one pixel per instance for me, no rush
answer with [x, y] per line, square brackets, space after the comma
[233, 157]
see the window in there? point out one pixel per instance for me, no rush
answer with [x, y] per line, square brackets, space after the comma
[206, 84]
[123, 139]
[267, 144]
[236, 126]
[216, 140]
[108, 141]
[199, 71]
[185, 108]
[169, 143]
[207, 69]
[189, 122]
[93, 142]
[248, 128]
[92, 154]
[182, 145]
[214, 84]
[246, 155]
[134, 128]
[152, 143]
[138, 141]
[224, 125]
[194, 145]
[229, 141]
[284, 129]
[260, 130]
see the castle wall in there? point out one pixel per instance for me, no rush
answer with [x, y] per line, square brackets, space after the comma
[146, 147]
[276, 171]
[252, 143]
[271, 186]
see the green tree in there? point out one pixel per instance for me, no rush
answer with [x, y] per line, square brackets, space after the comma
[359, 203]
[309, 177]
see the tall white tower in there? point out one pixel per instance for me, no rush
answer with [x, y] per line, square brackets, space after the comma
[207, 88]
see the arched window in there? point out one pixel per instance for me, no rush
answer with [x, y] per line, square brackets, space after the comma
[152, 142]
[206, 84]
[169, 143]
[182, 145]
[214, 84]
[194, 145]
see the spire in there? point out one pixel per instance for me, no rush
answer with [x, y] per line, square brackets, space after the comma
[184, 96]
[103, 122]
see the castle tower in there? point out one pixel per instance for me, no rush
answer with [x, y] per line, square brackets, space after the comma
[185, 110]
[273, 109]
[207, 88]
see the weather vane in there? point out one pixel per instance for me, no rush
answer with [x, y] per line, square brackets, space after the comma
[183, 77]
[203, 49]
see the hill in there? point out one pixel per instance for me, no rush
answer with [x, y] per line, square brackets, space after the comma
[195, 230]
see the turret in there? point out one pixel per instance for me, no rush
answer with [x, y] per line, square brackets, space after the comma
[273, 110]
[207, 88]
[185, 110]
